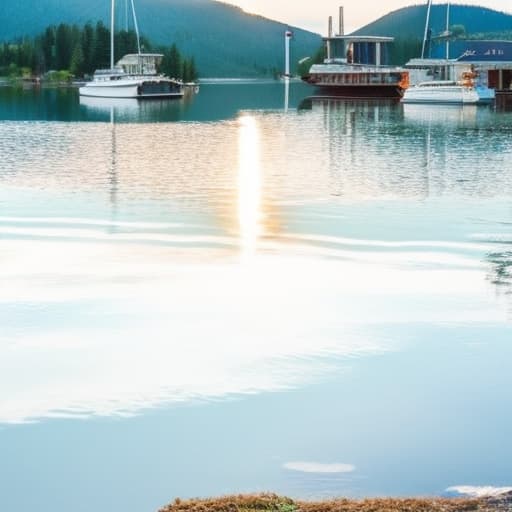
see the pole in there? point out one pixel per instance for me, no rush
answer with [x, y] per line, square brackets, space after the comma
[342, 22]
[287, 37]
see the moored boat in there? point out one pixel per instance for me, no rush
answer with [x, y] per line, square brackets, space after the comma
[134, 76]
[357, 66]
[441, 91]
[444, 80]
[358, 81]
[123, 81]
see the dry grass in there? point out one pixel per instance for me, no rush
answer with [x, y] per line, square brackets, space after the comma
[240, 503]
[274, 503]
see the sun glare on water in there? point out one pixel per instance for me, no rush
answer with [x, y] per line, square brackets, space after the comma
[249, 185]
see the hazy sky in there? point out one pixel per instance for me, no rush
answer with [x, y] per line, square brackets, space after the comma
[313, 15]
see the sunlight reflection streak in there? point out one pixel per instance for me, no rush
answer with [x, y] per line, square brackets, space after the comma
[249, 186]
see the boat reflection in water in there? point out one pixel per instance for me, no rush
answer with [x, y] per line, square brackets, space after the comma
[447, 115]
[408, 149]
[120, 104]
[134, 110]
[339, 109]
[421, 114]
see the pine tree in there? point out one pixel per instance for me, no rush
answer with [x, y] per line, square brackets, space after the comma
[101, 52]
[88, 48]
[76, 66]
[174, 63]
[192, 70]
[63, 46]
[48, 48]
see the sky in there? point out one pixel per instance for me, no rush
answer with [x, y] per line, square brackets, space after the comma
[313, 15]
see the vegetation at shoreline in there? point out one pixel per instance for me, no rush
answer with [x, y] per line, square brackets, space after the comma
[275, 503]
[70, 50]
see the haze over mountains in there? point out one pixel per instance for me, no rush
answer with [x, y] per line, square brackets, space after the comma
[224, 40]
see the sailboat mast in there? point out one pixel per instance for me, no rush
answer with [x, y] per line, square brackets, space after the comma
[136, 26]
[112, 10]
[429, 5]
[447, 30]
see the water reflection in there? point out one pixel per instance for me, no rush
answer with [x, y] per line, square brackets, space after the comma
[215, 101]
[113, 172]
[366, 231]
[249, 185]
[448, 116]
[501, 263]
[133, 110]
[286, 94]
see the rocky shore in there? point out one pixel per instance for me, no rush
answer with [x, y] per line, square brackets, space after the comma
[275, 503]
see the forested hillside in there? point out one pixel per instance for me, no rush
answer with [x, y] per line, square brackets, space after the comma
[410, 21]
[407, 26]
[223, 39]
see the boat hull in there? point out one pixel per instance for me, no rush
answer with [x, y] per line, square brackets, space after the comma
[441, 94]
[358, 91]
[358, 81]
[140, 89]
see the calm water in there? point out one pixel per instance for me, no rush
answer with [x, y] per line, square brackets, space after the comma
[230, 294]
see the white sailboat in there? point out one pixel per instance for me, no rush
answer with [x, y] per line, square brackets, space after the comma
[441, 91]
[462, 91]
[134, 76]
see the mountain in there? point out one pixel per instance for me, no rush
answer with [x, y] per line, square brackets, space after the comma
[409, 22]
[224, 40]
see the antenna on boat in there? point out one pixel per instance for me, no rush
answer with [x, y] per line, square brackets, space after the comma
[429, 5]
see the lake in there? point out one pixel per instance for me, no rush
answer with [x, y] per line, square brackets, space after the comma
[251, 289]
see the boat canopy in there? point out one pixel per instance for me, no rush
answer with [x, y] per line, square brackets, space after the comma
[140, 63]
[355, 49]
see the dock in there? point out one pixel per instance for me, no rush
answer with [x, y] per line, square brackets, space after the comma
[503, 99]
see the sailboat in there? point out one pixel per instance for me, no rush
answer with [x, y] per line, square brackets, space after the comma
[134, 76]
[461, 91]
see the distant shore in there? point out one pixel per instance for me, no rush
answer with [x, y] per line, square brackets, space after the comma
[275, 503]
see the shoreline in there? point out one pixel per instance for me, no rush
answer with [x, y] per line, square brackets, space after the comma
[276, 503]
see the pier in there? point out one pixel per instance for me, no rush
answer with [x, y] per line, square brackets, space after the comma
[503, 99]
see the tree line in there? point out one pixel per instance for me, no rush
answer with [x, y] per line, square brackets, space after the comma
[81, 50]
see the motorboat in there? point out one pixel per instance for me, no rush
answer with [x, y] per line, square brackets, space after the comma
[441, 91]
